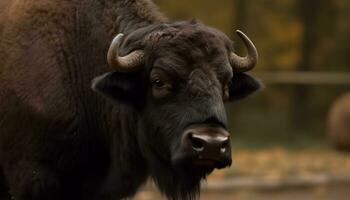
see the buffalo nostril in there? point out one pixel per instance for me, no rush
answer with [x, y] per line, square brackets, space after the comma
[224, 146]
[197, 143]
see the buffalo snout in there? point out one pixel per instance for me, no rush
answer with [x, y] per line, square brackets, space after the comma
[210, 146]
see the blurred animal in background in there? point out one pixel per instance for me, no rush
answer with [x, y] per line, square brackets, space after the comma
[339, 123]
[158, 111]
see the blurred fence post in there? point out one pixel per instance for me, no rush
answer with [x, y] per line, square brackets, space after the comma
[304, 78]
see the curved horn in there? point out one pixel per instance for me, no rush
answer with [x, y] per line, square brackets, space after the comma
[244, 64]
[129, 63]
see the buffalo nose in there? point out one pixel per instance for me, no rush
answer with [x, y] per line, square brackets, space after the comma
[209, 144]
[205, 142]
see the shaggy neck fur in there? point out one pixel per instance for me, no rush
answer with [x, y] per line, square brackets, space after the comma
[68, 30]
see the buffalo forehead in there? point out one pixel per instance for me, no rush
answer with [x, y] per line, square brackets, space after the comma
[193, 46]
[180, 67]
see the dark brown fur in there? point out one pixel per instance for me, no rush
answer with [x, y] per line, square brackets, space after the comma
[60, 140]
[339, 123]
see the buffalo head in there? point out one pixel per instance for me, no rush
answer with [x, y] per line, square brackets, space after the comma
[177, 77]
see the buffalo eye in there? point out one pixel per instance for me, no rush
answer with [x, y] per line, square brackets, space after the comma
[161, 86]
[158, 83]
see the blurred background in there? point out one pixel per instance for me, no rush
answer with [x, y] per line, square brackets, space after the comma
[289, 140]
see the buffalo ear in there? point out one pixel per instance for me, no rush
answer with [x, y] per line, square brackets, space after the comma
[120, 87]
[242, 85]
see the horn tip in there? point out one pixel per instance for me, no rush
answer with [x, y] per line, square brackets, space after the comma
[240, 33]
[118, 37]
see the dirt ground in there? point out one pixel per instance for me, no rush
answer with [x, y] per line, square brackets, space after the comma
[278, 174]
[341, 192]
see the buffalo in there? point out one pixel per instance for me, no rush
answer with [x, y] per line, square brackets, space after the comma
[339, 123]
[97, 96]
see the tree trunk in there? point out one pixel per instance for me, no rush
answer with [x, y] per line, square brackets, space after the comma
[309, 14]
[240, 19]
